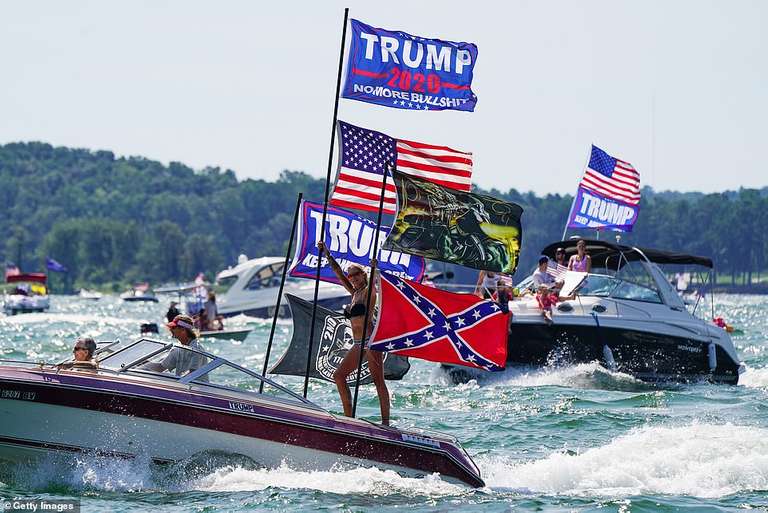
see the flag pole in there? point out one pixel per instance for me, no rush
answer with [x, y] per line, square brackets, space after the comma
[325, 198]
[570, 211]
[371, 284]
[280, 291]
[573, 203]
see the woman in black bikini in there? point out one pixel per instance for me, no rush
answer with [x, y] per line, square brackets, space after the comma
[356, 282]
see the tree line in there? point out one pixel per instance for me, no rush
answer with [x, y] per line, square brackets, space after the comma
[112, 221]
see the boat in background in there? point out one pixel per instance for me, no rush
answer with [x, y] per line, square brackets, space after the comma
[140, 292]
[220, 406]
[28, 292]
[91, 295]
[251, 288]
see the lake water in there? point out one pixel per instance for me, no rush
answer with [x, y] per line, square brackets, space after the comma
[574, 438]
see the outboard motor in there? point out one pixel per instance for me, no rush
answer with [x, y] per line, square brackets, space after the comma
[149, 327]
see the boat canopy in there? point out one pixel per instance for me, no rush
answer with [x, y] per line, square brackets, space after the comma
[27, 278]
[608, 255]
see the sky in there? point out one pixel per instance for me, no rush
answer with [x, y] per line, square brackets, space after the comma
[677, 88]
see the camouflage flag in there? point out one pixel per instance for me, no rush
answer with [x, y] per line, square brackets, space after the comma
[473, 230]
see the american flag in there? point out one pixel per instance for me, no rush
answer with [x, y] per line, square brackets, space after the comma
[612, 177]
[556, 270]
[366, 154]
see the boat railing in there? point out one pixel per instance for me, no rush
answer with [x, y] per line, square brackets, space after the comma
[198, 375]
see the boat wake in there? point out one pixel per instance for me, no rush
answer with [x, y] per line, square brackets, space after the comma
[754, 378]
[212, 472]
[700, 460]
[70, 318]
[584, 375]
[354, 481]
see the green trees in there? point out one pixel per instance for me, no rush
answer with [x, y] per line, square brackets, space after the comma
[117, 220]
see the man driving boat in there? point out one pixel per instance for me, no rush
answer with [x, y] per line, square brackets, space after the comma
[178, 360]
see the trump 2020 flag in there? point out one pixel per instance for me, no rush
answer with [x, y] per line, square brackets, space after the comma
[436, 325]
[53, 265]
[473, 230]
[608, 195]
[365, 155]
[327, 353]
[349, 238]
[396, 69]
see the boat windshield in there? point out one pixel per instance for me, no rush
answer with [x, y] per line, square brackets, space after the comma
[266, 277]
[193, 367]
[223, 285]
[632, 281]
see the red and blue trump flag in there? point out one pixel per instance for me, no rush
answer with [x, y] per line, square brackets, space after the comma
[395, 69]
[432, 324]
[608, 195]
[349, 238]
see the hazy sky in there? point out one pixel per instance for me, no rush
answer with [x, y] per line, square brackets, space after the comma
[678, 88]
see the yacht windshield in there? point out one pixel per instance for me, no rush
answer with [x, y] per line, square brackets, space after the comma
[631, 282]
[267, 276]
[224, 284]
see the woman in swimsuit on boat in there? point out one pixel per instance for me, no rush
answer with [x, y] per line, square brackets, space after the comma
[356, 282]
[580, 261]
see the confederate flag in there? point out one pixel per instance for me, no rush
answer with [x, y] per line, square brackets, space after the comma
[432, 324]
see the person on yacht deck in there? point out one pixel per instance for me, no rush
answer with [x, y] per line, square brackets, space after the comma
[581, 261]
[560, 257]
[486, 284]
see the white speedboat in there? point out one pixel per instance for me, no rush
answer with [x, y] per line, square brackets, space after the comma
[90, 295]
[27, 293]
[140, 292]
[625, 315]
[220, 406]
[252, 286]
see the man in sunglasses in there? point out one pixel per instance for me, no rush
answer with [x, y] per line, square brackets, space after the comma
[83, 352]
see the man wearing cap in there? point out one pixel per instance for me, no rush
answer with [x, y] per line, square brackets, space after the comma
[83, 352]
[182, 329]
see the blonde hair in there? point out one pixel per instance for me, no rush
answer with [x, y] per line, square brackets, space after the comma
[359, 268]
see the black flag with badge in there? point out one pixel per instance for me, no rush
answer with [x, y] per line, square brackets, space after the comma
[333, 340]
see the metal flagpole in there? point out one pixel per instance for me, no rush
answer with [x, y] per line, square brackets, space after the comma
[370, 291]
[570, 211]
[280, 291]
[573, 203]
[325, 199]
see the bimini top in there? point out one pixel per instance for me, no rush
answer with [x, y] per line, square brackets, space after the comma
[608, 255]
[26, 277]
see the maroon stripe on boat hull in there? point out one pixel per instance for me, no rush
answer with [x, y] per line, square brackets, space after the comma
[296, 433]
[47, 446]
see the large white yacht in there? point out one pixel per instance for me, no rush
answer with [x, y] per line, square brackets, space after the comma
[626, 315]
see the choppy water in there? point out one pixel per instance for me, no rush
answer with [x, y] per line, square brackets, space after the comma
[576, 438]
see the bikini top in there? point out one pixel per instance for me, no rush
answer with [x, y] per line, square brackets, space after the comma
[356, 310]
